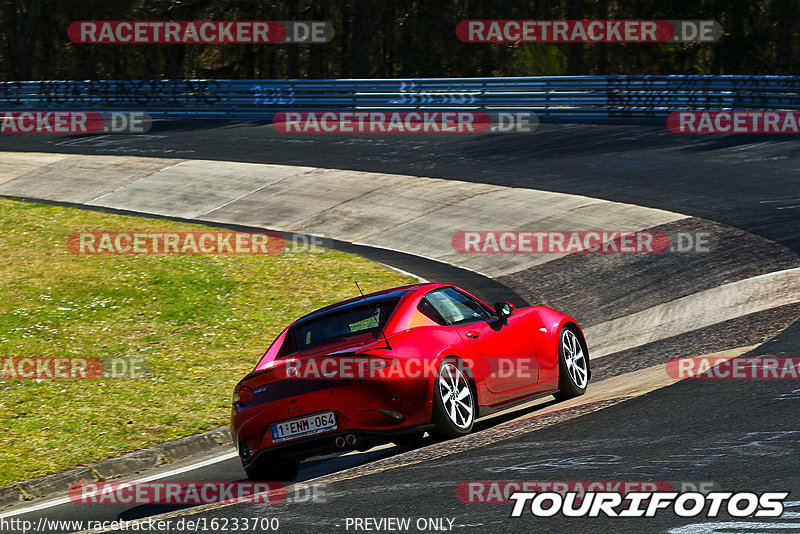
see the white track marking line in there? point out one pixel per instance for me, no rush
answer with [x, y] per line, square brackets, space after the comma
[120, 188]
[263, 186]
[172, 472]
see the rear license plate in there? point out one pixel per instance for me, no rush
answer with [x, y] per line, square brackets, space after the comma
[303, 426]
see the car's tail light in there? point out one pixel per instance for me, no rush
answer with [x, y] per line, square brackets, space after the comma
[242, 396]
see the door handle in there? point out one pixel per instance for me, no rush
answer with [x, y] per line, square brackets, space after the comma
[473, 334]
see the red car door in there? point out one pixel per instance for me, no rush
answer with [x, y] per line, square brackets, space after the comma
[507, 349]
[502, 349]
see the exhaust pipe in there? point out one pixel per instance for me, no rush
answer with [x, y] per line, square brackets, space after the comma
[351, 439]
[340, 442]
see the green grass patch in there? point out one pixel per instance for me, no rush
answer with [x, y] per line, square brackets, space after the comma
[200, 321]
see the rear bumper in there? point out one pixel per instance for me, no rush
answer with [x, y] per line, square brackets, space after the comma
[323, 444]
[370, 410]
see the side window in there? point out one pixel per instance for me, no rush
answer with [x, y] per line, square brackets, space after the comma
[451, 307]
[427, 309]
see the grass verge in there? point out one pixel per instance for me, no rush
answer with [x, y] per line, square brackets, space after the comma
[200, 321]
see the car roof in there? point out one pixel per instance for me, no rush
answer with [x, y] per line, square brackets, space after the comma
[377, 296]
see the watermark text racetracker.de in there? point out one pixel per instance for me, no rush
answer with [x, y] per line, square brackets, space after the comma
[238, 525]
[199, 32]
[500, 491]
[734, 122]
[366, 367]
[579, 241]
[74, 122]
[428, 121]
[761, 367]
[588, 31]
[74, 368]
[142, 242]
[194, 493]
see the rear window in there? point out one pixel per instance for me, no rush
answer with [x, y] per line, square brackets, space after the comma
[350, 320]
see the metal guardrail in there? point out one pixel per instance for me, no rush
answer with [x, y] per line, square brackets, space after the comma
[559, 97]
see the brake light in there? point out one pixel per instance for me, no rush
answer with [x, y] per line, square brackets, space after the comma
[242, 396]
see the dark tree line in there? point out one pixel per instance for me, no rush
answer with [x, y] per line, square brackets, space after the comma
[392, 38]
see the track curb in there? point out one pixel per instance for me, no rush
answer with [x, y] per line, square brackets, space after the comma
[112, 468]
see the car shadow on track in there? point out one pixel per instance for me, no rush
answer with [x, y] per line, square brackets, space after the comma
[326, 465]
[513, 413]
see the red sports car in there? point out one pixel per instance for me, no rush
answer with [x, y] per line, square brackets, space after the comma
[392, 365]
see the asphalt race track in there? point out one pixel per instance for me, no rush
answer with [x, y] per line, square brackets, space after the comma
[737, 435]
[644, 165]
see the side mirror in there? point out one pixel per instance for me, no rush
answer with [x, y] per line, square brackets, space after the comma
[504, 310]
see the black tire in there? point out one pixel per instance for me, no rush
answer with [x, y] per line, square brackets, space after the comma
[408, 440]
[273, 469]
[572, 382]
[453, 371]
